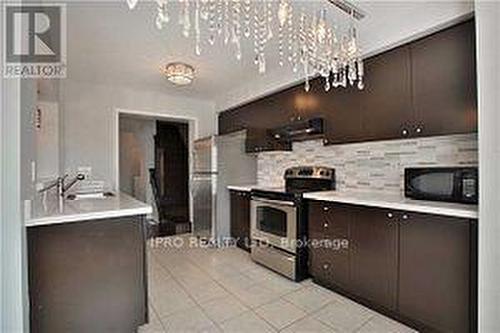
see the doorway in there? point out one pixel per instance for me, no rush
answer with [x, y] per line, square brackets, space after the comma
[170, 177]
[153, 165]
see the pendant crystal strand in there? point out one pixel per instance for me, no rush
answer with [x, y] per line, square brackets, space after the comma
[304, 52]
[269, 21]
[220, 16]
[211, 22]
[197, 33]
[162, 17]
[306, 40]
[256, 34]
[282, 20]
[237, 27]
[186, 21]
[262, 29]
[247, 12]
[226, 22]
[204, 10]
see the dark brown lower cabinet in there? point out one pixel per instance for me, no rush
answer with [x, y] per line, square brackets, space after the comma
[434, 272]
[373, 245]
[240, 218]
[329, 263]
[88, 276]
[417, 268]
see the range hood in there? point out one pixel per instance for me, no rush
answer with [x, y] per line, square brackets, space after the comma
[299, 130]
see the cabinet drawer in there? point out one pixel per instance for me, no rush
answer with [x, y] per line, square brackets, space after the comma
[329, 219]
[330, 267]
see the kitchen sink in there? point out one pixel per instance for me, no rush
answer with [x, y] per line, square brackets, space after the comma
[90, 196]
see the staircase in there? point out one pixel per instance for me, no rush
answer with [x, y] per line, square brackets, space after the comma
[169, 222]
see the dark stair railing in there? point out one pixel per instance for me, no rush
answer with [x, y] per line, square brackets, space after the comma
[168, 224]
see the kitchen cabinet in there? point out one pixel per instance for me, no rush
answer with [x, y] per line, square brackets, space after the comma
[385, 102]
[240, 218]
[444, 82]
[423, 88]
[330, 222]
[373, 261]
[416, 268]
[88, 276]
[435, 272]
[342, 116]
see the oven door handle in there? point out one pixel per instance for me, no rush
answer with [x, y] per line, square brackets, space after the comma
[273, 202]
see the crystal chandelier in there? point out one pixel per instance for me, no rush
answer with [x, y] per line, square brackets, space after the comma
[306, 43]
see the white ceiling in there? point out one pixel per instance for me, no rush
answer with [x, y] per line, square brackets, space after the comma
[108, 43]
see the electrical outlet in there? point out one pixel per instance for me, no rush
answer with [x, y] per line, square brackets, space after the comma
[86, 171]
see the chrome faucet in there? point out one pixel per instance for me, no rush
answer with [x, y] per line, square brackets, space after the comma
[62, 187]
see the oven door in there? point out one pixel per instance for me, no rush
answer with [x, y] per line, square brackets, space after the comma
[274, 222]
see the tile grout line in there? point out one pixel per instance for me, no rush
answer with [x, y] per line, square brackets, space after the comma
[192, 298]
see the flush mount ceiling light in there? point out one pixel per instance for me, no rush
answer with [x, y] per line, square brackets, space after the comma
[313, 44]
[179, 73]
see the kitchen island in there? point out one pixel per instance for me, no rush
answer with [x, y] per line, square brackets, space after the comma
[87, 265]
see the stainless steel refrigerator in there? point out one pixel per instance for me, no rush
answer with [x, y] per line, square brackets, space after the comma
[218, 161]
[204, 187]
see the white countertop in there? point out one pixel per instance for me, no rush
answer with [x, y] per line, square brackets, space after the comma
[51, 212]
[398, 202]
[244, 188]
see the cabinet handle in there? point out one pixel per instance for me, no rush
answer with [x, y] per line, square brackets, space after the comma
[326, 208]
[325, 141]
[405, 217]
[419, 130]
[325, 225]
[404, 132]
[390, 215]
[325, 266]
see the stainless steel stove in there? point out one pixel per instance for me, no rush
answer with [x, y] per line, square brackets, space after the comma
[279, 220]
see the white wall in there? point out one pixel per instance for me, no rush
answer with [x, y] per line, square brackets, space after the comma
[47, 140]
[89, 132]
[488, 56]
[137, 150]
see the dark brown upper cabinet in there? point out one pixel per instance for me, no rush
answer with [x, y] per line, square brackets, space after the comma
[444, 82]
[385, 103]
[423, 88]
[342, 116]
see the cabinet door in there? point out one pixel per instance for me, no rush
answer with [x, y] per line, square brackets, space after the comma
[240, 218]
[88, 276]
[373, 253]
[385, 102]
[244, 220]
[434, 272]
[234, 216]
[342, 115]
[444, 81]
[329, 224]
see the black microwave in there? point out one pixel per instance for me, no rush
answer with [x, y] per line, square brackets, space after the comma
[442, 184]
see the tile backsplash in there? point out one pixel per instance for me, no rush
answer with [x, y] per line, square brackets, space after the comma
[374, 166]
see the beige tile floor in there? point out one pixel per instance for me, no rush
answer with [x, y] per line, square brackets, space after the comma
[199, 289]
